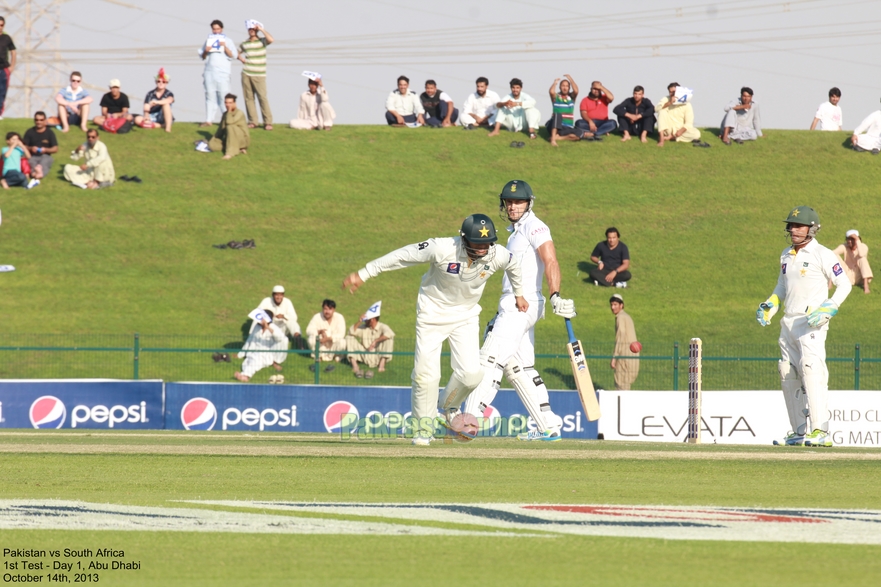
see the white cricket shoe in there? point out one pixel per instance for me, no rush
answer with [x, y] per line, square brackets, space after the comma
[32, 184]
[818, 438]
[546, 436]
[791, 439]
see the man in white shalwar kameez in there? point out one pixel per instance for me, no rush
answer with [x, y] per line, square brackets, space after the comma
[283, 316]
[315, 110]
[867, 136]
[516, 112]
[268, 337]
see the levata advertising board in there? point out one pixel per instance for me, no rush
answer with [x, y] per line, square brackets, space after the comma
[340, 410]
[81, 403]
[733, 417]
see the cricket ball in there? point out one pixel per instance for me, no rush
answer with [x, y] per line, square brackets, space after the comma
[635, 346]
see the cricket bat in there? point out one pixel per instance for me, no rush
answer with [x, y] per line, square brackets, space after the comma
[582, 376]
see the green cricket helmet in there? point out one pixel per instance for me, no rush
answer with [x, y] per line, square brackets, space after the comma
[478, 229]
[804, 216]
[516, 189]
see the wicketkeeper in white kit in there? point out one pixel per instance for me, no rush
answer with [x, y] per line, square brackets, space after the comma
[509, 346]
[806, 268]
[447, 308]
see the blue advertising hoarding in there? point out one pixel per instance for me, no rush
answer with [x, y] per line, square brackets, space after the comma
[363, 412]
[81, 403]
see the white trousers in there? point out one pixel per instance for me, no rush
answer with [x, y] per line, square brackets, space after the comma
[869, 142]
[464, 340]
[518, 119]
[804, 348]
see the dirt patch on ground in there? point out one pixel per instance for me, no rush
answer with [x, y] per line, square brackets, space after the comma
[344, 449]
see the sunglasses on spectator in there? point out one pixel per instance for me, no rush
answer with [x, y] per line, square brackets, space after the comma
[75, 80]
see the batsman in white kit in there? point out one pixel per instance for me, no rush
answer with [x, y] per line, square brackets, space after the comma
[806, 268]
[509, 346]
[447, 308]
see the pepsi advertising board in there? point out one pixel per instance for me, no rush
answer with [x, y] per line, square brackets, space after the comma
[373, 412]
[81, 403]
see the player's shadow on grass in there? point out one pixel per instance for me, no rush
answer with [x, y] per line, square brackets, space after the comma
[585, 268]
[206, 135]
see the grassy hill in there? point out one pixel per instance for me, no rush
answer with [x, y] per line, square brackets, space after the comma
[704, 227]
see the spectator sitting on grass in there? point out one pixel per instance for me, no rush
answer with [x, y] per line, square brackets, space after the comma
[73, 104]
[12, 155]
[315, 111]
[233, 136]
[97, 171]
[613, 261]
[266, 337]
[157, 105]
[41, 143]
[114, 104]
[370, 336]
[403, 107]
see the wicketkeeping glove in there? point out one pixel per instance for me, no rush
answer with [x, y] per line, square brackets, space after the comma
[562, 307]
[822, 315]
[767, 309]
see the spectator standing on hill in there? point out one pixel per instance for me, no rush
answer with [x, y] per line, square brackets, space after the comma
[7, 64]
[438, 106]
[328, 327]
[97, 171]
[232, 136]
[676, 118]
[562, 123]
[114, 104]
[12, 155]
[636, 116]
[867, 136]
[403, 106]
[595, 111]
[73, 104]
[626, 368]
[742, 121]
[828, 116]
[806, 268]
[284, 317]
[479, 106]
[315, 111]
[157, 105]
[855, 255]
[369, 335]
[516, 112]
[613, 261]
[41, 142]
[253, 54]
[265, 336]
[218, 51]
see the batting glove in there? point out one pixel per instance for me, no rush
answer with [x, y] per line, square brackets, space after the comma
[562, 307]
[821, 316]
[767, 309]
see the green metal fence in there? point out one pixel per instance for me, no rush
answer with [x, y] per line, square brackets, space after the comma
[662, 366]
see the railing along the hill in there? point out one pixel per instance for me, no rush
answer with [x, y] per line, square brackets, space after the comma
[662, 366]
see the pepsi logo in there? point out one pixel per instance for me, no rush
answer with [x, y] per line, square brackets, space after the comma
[47, 412]
[333, 416]
[198, 414]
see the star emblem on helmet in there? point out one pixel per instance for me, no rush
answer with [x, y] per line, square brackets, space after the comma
[484, 231]
[795, 212]
[513, 187]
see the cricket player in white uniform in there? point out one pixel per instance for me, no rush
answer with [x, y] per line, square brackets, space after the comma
[805, 271]
[509, 346]
[447, 308]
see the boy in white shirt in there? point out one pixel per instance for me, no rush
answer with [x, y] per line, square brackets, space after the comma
[828, 115]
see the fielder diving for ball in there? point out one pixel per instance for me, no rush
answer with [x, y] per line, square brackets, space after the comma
[509, 346]
[805, 271]
[447, 308]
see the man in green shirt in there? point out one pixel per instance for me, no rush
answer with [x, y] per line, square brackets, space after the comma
[253, 54]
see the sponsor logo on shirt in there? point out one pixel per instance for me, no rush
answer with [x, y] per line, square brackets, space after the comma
[836, 269]
[453, 268]
[783, 267]
[539, 230]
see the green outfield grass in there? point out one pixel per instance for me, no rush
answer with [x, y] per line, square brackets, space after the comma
[704, 227]
[137, 469]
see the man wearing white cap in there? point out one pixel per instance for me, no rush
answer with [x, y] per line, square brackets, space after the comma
[855, 255]
[627, 369]
[283, 316]
[114, 104]
[268, 337]
[371, 336]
